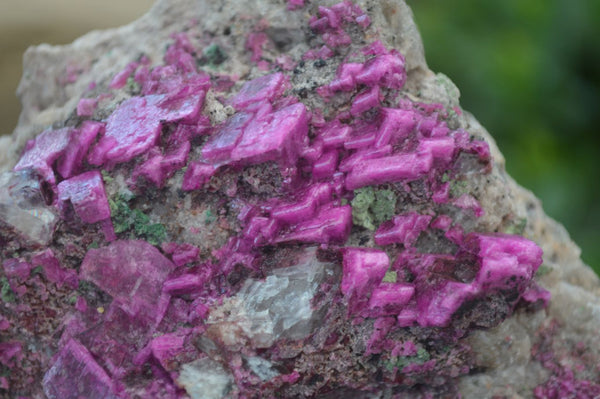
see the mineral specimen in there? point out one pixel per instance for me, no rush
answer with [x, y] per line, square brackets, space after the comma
[265, 207]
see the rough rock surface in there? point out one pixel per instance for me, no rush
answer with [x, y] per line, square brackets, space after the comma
[531, 353]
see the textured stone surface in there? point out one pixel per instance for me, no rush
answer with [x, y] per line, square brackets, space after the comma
[506, 356]
[277, 308]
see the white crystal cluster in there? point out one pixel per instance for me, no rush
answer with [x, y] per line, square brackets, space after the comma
[278, 307]
[205, 379]
[23, 207]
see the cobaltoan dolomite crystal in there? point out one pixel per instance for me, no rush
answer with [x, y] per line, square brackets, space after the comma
[324, 220]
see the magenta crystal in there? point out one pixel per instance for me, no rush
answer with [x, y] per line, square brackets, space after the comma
[16, 268]
[197, 175]
[81, 140]
[132, 272]
[158, 167]
[266, 88]
[442, 148]
[11, 353]
[366, 101]
[407, 167]
[386, 70]
[85, 193]
[436, 307]
[184, 284]
[325, 166]
[222, 142]
[86, 106]
[276, 137]
[41, 152]
[331, 224]
[363, 270]
[181, 254]
[388, 299]
[404, 229]
[75, 374]
[53, 270]
[397, 124]
[131, 130]
[305, 207]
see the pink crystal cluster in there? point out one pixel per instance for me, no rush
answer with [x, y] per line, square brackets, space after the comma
[374, 137]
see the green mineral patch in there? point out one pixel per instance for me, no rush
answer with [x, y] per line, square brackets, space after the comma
[106, 176]
[213, 56]
[458, 188]
[543, 270]
[132, 86]
[138, 223]
[421, 357]
[6, 293]
[391, 276]
[371, 207]
[516, 226]
[209, 217]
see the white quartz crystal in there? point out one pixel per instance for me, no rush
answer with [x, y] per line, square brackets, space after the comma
[278, 307]
[23, 207]
[262, 368]
[205, 379]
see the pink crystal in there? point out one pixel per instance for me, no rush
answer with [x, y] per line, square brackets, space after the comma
[265, 88]
[274, 138]
[181, 253]
[184, 284]
[197, 175]
[325, 166]
[132, 272]
[397, 125]
[41, 152]
[388, 299]
[222, 142]
[305, 207]
[389, 169]
[131, 130]
[85, 192]
[76, 374]
[331, 224]
[16, 268]
[11, 353]
[53, 270]
[86, 106]
[365, 101]
[81, 140]
[363, 270]
[384, 70]
[404, 229]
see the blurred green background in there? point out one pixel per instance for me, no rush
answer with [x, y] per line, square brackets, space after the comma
[529, 70]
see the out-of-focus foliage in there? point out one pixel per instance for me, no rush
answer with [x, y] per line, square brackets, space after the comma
[530, 72]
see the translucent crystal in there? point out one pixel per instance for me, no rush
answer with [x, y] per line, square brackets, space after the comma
[205, 379]
[75, 374]
[262, 368]
[278, 307]
[23, 206]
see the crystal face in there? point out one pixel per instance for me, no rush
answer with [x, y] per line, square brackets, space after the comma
[23, 206]
[280, 307]
[205, 379]
[301, 229]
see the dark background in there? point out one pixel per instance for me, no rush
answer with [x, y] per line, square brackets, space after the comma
[529, 70]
